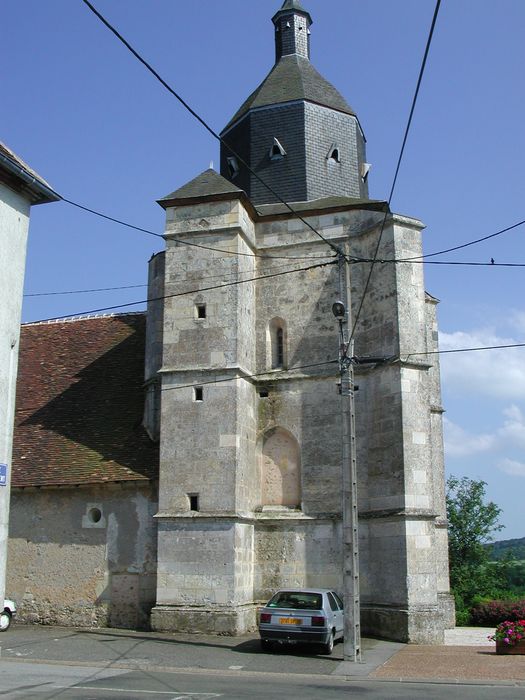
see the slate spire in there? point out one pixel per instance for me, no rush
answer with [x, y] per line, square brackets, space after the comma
[292, 30]
[296, 132]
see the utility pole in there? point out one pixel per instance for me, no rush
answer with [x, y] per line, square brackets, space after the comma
[350, 544]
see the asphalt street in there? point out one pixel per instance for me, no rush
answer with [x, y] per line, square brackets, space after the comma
[37, 681]
[67, 663]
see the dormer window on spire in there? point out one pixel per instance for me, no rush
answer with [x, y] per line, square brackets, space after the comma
[277, 152]
[333, 154]
[233, 166]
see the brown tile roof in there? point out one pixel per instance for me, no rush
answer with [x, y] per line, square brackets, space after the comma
[80, 402]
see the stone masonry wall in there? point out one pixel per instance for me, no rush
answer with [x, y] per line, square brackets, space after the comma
[67, 568]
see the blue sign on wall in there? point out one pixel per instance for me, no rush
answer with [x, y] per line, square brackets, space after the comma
[3, 474]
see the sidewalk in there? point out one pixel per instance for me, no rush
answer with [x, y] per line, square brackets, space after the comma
[466, 657]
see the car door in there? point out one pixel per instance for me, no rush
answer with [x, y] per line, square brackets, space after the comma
[337, 606]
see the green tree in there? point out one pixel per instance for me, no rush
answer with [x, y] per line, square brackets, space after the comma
[471, 524]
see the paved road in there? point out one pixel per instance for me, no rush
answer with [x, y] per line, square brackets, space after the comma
[95, 664]
[36, 681]
[165, 651]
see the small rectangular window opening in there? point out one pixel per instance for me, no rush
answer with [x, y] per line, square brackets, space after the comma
[263, 393]
[198, 393]
[194, 501]
[200, 310]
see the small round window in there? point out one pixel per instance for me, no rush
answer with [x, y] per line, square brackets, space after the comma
[94, 515]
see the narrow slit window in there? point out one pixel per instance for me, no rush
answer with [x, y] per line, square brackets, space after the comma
[200, 310]
[198, 393]
[276, 343]
[279, 347]
[194, 501]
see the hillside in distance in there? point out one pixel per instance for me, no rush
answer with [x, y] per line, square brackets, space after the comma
[513, 548]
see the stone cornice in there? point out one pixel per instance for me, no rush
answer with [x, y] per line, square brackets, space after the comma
[257, 516]
[399, 513]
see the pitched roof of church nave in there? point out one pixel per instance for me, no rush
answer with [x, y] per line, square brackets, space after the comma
[80, 401]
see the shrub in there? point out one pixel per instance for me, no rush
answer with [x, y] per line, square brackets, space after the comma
[491, 613]
[463, 618]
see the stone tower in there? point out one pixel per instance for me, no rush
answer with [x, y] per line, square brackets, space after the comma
[241, 367]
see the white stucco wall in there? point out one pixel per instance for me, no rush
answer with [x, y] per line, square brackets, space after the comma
[14, 225]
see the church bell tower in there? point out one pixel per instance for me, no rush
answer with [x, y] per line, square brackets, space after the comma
[243, 358]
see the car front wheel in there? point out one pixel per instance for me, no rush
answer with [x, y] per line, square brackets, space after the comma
[5, 620]
[328, 647]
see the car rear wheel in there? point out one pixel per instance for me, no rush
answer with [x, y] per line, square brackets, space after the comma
[5, 620]
[328, 647]
[266, 645]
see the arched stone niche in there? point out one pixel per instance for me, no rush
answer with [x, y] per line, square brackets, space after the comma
[280, 469]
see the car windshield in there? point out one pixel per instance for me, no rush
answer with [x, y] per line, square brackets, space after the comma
[297, 601]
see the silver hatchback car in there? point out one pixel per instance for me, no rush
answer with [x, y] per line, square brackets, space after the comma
[311, 615]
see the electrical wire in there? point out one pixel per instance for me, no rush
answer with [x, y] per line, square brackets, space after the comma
[276, 372]
[249, 376]
[191, 291]
[265, 373]
[83, 291]
[407, 129]
[474, 349]
[189, 243]
[135, 286]
[439, 262]
[208, 128]
[335, 361]
[352, 259]
[465, 245]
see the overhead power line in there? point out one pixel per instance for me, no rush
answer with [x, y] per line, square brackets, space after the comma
[474, 349]
[384, 261]
[225, 274]
[405, 138]
[466, 245]
[208, 128]
[334, 361]
[84, 291]
[189, 243]
[265, 373]
[222, 275]
[191, 291]
[353, 259]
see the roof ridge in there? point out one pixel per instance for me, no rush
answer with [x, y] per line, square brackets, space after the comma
[86, 317]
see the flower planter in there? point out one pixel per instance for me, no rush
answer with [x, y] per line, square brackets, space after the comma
[517, 648]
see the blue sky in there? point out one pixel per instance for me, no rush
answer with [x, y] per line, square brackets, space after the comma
[90, 119]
